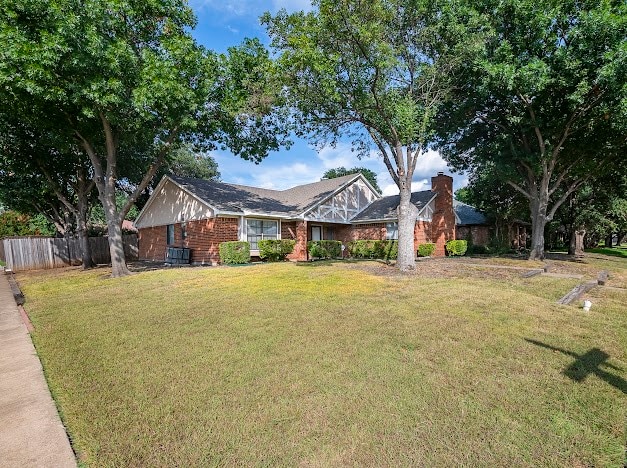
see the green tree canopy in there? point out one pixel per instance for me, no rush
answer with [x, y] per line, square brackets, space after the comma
[376, 72]
[185, 162]
[370, 175]
[128, 82]
[544, 105]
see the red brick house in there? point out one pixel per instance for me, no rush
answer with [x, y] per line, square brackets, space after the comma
[471, 224]
[199, 214]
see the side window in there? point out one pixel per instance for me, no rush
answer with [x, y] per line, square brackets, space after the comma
[391, 231]
[169, 236]
[258, 229]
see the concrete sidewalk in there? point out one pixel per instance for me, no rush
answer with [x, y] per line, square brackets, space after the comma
[31, 433]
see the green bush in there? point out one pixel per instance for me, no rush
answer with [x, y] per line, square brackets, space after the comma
[13, 223]
[324, 249]
[275, 250]
[361, 248]
[456, 247]
[384, 249]
[475, 249]
[426, 250]
[234, 253]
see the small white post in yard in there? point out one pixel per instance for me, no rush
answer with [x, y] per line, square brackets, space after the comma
[586, 305]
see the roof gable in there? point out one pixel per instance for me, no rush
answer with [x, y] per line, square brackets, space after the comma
[386, 208]
[467, 214]
[168, 204]
[241, 200]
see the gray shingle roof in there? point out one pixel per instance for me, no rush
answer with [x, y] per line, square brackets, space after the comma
[385, 208]
[467, 215]
[240, 198]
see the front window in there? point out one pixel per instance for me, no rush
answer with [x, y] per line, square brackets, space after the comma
[169, 235]
[391, 231]
[258, 229]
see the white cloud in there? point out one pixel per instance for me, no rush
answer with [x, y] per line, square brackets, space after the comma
[306, 166]
[232, 29]
[283, 177]
[342, 156]
[429, 164]
[416, 186]
[389, 189]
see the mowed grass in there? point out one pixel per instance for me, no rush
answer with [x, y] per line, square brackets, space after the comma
[617, 251]
[276, 365]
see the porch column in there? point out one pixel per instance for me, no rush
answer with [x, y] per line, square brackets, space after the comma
[300, 249]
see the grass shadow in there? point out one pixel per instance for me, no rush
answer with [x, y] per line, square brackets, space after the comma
[591, 362]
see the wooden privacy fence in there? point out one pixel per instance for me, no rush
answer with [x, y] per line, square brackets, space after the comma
[36, 252]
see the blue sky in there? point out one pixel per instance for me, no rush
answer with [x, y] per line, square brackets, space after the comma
[226, 23]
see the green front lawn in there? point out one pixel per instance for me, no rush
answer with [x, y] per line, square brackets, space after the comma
[337, 364]
[618, 251]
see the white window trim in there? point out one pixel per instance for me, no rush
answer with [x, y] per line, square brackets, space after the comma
[244, 230]
[321, 230]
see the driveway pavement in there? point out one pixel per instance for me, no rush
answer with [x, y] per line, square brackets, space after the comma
[31, 433]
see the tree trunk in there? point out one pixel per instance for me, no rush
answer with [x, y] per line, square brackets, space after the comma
[406, 222]
[576, 242]
[116, 249]
[538, 222]
[608, 241]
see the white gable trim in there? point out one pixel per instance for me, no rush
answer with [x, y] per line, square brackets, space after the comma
[359, 175]
[419, 216]
[159, 188]
[424, 208]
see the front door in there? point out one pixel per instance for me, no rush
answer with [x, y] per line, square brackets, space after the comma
[316, 233]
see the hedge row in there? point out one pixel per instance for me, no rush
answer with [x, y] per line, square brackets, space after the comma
[234, 253]
[324, 249]
[425, 250]
[237, 252]
[275, 250]
[384, 249]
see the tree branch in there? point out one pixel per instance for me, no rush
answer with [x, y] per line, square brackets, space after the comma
[149, 175]
[519, 188]
[574, 186]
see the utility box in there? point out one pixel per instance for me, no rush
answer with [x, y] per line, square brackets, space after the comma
[178, 255]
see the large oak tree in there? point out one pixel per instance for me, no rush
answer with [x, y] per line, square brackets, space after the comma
[545, 104]
[375, 72]
[128, 83]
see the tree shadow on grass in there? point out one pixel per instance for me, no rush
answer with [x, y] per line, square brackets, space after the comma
[588, 363]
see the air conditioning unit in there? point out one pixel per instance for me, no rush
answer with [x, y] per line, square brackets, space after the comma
[178, 255]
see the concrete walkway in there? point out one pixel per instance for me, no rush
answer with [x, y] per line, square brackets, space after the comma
[31, 433]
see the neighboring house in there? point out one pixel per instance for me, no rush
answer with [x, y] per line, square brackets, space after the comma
[472, 225]
[200, 214]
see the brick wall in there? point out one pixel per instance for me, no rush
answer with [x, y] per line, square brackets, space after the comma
[480, 234]
[372, 231]
[203, 237]
[288, 230]
[151, 242]
[443, 221]
[422, 233]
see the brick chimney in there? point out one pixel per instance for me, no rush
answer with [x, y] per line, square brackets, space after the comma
[443, 222]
